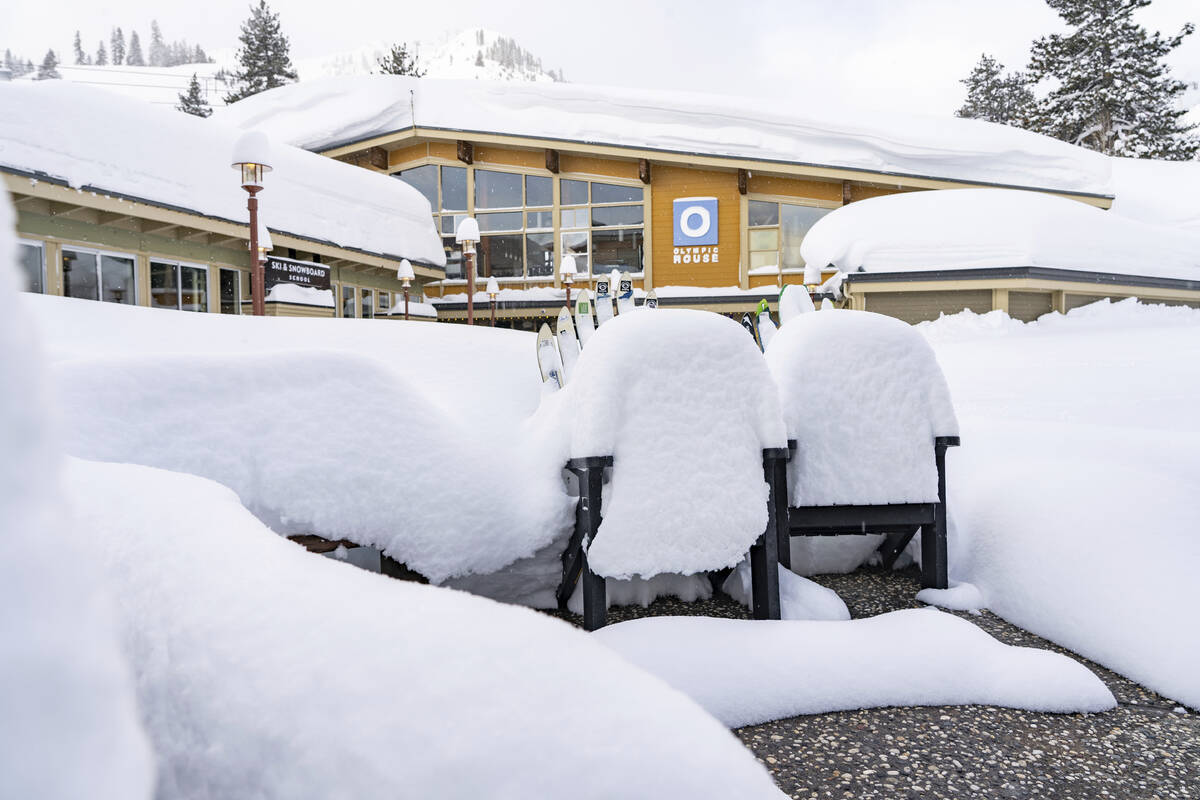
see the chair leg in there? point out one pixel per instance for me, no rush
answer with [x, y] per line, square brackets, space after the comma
[934, 556]
[595, 600]
[764, 557]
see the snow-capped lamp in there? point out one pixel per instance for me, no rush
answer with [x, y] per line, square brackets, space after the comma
[405, 274]
[252, 155]
[566, 270]
[493, 289]
[467, 235]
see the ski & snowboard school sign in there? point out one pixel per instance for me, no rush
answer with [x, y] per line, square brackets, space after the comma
[301, 273]
[696, 231]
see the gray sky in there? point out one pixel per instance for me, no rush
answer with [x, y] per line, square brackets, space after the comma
[902, 54]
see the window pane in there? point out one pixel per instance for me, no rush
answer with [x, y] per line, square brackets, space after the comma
[385, 300]
[794, 223]
[424, 180]
[617, 215]
[164, 288]
[575, 218]
[193, 282]
[763, 213]
[454, 258]
[576, 244]
[454, 188]
[497, 189]
[620, 249]
[116, 280]
[367, 309]
[539, 219]
[611, 193]
[229, 291]
[538, 191]
[507, 221]
[79, 275]
[31, 266]
[501, 256]
[539, 254]
[573, 193]
[765, 239]
[765, 258]
[348, 302]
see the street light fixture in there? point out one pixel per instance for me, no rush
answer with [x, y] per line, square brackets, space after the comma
[566, 269]
[467, 235]
[251, 156]
[405, 274]
[493, 289]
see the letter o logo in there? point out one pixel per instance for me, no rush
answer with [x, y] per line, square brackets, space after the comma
[703, 221]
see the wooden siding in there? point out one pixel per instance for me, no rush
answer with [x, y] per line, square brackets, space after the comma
[604, 167]
[860, 191]
[916, 307]
[827, 191]
[293, 310]
[502, 156]
[674, 182]
[1028, 306]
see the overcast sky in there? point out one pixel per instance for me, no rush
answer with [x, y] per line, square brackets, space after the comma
[887, 54]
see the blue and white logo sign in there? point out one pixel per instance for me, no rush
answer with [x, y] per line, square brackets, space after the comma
[695, 221]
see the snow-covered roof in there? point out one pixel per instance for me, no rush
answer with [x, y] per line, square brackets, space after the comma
[977, 228]
[1161, 192]
[323, 114]
[90, 138]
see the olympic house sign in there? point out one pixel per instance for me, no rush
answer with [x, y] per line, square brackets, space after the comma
[696, 231]
[301, 273]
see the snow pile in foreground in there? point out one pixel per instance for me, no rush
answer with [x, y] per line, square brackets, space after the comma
[684, 403]
[264, 671]
[69, 726]
[1073, 498]
[974, 228]
[756, 671]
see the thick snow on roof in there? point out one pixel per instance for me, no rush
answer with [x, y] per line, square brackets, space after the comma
[974, 228]
[91, 138]
[322, 114]
[1160, 192]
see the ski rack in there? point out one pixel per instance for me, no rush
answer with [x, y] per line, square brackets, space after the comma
[764, 553]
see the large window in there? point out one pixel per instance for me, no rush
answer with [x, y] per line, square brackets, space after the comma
[445, 188]
[518, 242]
[92, 275]
[230, 289]
[602, 225]
[348, 307]
[175, 285]
[776, 231]
[33, 266]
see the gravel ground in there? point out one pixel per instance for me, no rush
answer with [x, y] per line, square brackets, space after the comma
[1142, 749]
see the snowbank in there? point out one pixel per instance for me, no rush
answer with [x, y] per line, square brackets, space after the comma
[159, 156]
[976, 228]
[300, 295]
[1158, 192]
[756, 671]
[323, 114]
[70, 726]
[265, 671]
[684, 403]
[1072, 501]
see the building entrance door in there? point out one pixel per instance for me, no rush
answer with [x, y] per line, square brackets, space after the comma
[231, 294]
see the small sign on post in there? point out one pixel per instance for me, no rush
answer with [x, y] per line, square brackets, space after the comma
[301, 273]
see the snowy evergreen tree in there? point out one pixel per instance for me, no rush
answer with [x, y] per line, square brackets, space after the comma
[479, 58]
[399, 62]
[49, 67]
[996, 97]
[193, 101]
[263, 56]
[9, 64]
[80, 58]
[101, 54]
[118, 47]
[158, 48]
[1111, 91]
[134, 57]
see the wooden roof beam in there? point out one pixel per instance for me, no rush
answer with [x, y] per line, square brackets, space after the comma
[644, 170]
[743, 181]
[375, 158]
[552, 160]
[466, 152]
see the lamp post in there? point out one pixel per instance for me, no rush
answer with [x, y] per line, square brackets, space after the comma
[566, 269]
[493, 289]
[467, 235]
[251, 153]
[405, 274]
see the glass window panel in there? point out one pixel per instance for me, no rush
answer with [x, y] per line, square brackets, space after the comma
[424, 180]
[164, 285]
[79, 275]
[454, 258]
[31, 266]
[764, 240]
[612, 193]
[539, 254]
[367, 309]
[507, 221]
[539, 191]
[616, 215]
[454, 188]
[348, 308]
[794, 224]
[193, 288]
[575, 218]
[619, 249]
[501, 256]
[116, 280]
[763, 213]
[539, 219]
[766, 258]
[229, 291]
[497, 189]
[576, 244]
[385, 300]
[573, 193]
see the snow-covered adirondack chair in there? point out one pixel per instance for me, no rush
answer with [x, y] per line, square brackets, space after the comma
[678, 411]
[869, 411]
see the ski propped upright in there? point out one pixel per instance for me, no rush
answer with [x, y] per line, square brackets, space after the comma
[748, 324]
[651, 300]
[766, 325]
[549, 362]
[625, 302]
[568, 345]
[584, 323]
[604, 299]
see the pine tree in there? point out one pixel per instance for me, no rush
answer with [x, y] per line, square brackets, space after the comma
[8, 62]
[193, 101]
[101, 54]
[49, 67]
[996, 97]
[263, 56]
[399, 62]
[158, 48]
[1111, 90]
[134, 58]
[118, 47]
[479, 58]
[80, 58]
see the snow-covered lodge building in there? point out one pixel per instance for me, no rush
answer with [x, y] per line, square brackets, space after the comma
[123, 202]
[705, 199]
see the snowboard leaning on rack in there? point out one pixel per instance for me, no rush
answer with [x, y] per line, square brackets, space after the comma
[625, 294]
[748, 324]
[585, 326]
[651, 300]
[766, 326]
[604, 300]
[549, 362]
[568, 345]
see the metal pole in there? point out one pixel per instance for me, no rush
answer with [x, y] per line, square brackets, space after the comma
[257, 291]
[471, 286]
[406, 302]
[568, 295]
[493, 304]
